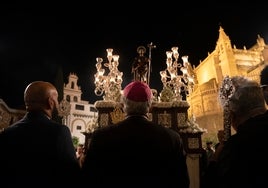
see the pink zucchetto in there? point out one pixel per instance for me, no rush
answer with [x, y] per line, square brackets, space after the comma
[138, 91]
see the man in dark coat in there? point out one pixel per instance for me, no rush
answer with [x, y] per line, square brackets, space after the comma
[36, 151]
[241, 161]
[135, 152]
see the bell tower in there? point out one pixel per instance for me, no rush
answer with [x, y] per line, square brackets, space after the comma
[225, 54]
[72, 92]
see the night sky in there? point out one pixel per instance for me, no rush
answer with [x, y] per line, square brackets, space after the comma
[38, 40]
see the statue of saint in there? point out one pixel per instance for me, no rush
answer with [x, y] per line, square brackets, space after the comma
[140, 66]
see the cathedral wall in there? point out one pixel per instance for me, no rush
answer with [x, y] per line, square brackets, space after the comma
[206, 71]
[204, 102]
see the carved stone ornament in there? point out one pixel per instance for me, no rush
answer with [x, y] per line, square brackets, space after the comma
[193, 143]
[164, 119]
[64, 108]
[104, 119]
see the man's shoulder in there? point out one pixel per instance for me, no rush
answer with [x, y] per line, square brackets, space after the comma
[59, 126]
[11, 128]
[265, 115]
[262, 118]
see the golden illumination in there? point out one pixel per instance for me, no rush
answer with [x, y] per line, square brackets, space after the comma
[175, 84]
[109, 85]
[177, 78]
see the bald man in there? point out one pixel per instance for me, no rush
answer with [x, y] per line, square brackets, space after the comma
[36, 151]
[41, 96]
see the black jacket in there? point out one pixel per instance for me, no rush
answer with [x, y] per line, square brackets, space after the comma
[37, 152]
[136, 153]
[243, 161]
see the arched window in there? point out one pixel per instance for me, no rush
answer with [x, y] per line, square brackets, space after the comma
[72, 85]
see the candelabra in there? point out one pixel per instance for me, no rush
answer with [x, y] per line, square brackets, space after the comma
[175, 84]
[109, 85]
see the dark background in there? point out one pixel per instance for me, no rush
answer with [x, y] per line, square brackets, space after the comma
[40, 40]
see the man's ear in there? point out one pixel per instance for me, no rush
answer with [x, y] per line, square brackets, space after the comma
[50, 102]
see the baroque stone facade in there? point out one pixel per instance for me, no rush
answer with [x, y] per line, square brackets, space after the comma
[224, 60]
[79, 115]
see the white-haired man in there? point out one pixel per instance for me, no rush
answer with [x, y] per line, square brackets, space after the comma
[241, 161]
[135, 152]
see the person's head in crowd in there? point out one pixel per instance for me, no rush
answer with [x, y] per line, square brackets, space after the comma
[137, 98]
[41, 96]
[209, 143]
[246, 101]
[264, 82]
[79, 150]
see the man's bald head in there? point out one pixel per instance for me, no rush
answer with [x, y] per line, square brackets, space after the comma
[41, 96]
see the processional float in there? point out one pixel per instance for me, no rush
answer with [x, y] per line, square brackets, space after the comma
[169, 107]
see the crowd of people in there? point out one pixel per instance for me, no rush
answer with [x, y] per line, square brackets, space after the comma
[37, 151]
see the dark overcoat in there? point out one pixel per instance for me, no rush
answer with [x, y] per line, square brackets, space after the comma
[243, 161]
[136, 153]
[37, 152]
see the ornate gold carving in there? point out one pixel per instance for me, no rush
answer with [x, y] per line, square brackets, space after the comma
[164, 119]
[193, 143]
[117, 115]
[181, 118]
[104, 119]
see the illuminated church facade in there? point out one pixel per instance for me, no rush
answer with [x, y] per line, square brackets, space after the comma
[224, 60]
[80, 115]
